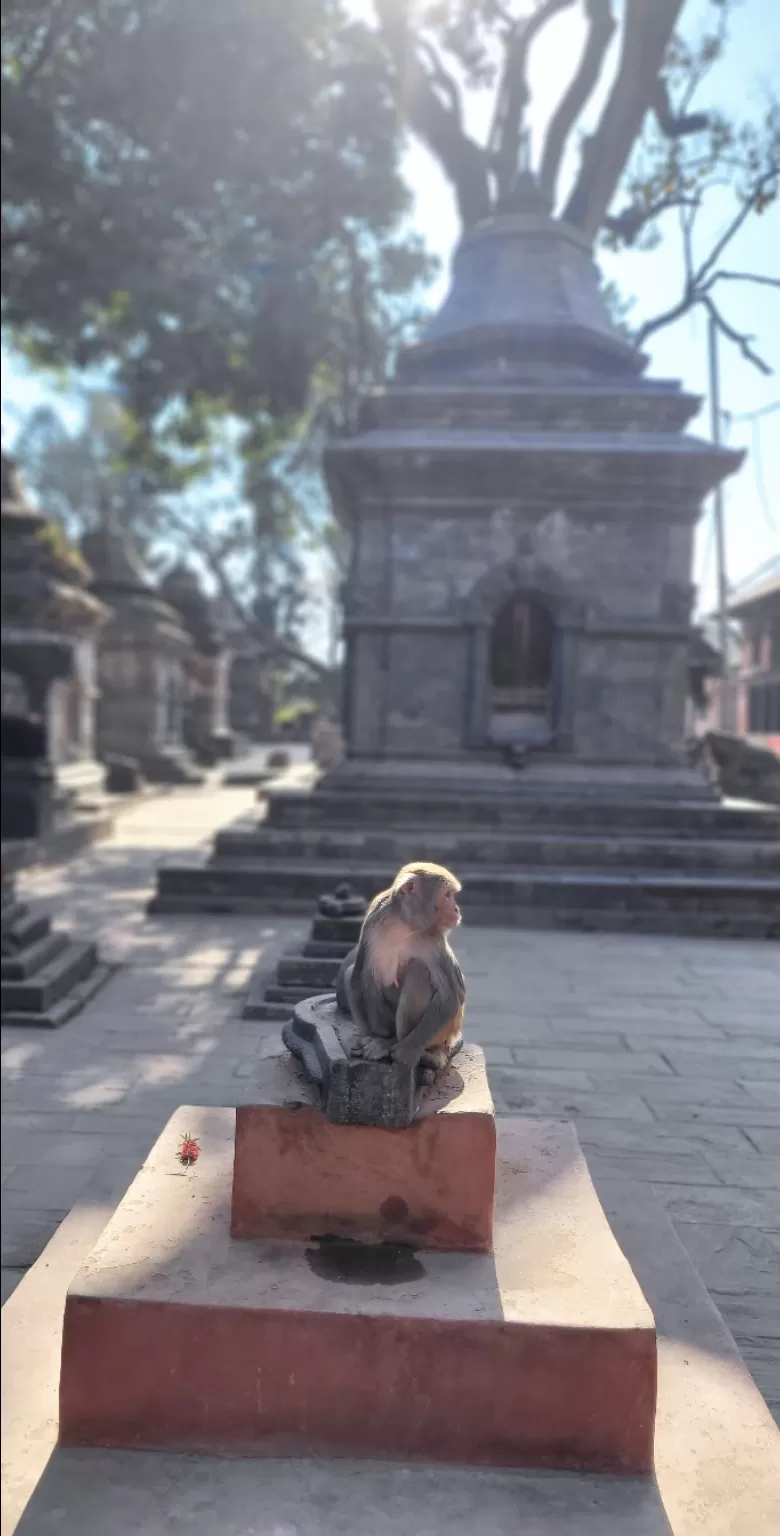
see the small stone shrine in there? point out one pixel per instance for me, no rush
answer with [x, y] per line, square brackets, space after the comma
[50, 629]
[521, 501]
[205, 727]
[46, 976]
[142, 666]
[304, 970]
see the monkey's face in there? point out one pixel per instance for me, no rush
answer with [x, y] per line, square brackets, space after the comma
[424, 898]
[447, 909]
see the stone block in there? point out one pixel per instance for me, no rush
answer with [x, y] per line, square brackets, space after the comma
[542, 1353]
[298, 1175]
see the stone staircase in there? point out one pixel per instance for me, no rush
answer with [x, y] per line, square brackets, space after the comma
[46, 976]
[587, 863]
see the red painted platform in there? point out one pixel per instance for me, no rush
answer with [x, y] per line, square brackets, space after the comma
[431, 1185]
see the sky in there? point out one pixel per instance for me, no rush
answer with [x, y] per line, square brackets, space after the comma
[739, 83]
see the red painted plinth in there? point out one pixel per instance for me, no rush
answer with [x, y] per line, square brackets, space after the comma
[431, 1185]
[541, 1353]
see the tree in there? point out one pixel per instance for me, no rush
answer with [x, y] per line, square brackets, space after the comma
[185, 188]
[653, 153]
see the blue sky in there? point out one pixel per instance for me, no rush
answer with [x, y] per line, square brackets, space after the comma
[738, 83]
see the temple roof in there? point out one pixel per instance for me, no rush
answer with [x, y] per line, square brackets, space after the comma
[525, 296]
[183, 591]
[113, 559]
[121, 579]
[44, 576]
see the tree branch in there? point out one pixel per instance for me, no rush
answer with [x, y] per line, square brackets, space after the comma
[647, 30]
[672, 124]
[60, 20]
[464, 163]
[272, 646]
[629, 223]
[601, 27]
[514, 95]
[741, 338]
[742, 277]
[740, 216]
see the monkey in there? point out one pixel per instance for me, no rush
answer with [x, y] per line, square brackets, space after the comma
[401, 985]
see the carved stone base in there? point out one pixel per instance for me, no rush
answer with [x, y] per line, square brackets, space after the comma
[353, 1091]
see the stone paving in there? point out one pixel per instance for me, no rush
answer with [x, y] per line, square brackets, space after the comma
[666, 1052]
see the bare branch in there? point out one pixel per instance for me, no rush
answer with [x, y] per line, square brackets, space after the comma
[514, 95]
[675, 125]
[667, 317]
[740, 216]
[601, 27]
[740, 338]
[646, 34]
[629, 223]
[741, 277]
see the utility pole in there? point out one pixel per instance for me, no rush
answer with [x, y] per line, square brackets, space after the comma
[724, 698]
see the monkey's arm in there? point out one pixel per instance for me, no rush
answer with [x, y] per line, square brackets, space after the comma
[443, 994]
[349, 990]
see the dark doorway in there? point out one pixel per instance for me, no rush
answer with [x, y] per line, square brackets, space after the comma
[521, 665]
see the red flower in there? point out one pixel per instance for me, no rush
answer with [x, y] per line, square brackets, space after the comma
[189, 1151]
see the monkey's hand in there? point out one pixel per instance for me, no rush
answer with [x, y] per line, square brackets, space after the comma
[371, 1048]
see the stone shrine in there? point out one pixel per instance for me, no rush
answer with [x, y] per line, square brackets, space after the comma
[50, 629]
[142, 665]
[522, 504]
[205, 728]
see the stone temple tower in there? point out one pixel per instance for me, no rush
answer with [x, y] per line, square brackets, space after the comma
[522, 502]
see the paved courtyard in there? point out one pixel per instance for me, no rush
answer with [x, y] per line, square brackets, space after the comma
[665, 1051]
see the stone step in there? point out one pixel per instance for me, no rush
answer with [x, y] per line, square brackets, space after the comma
[489, 895]
[539, 849]
[336, 930]
[39, 994]
[307, 971]
[25, 927]
[59, 1013]
[500, 810]
[34, 958]
[319, 949]
[290, 993]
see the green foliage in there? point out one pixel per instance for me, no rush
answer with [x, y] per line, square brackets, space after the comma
[184, 184]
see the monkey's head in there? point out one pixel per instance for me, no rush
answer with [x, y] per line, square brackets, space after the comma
[424, 897]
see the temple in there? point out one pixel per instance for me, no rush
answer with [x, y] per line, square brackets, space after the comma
[142, 664]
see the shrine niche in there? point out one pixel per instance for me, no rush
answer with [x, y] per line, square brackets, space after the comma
[522, 640]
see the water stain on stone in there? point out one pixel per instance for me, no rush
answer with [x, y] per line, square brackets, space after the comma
[394, 1209]
[352, 1263]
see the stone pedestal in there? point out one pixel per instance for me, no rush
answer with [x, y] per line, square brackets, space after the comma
[296, 1174]
[540, 1352]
